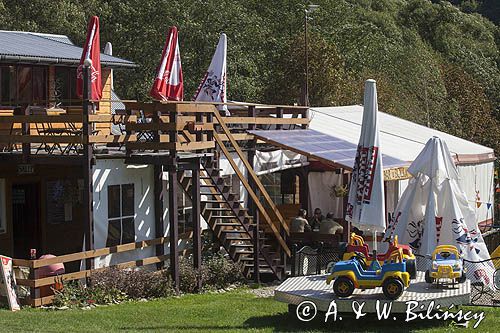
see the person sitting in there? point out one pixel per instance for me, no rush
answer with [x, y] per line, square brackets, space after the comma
[316, 219]
[330, 226]
[299, 223]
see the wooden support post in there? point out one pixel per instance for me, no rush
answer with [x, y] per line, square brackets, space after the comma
[279, 114]
[88, 213]
[34, 292]
[196, 198]
[252, 112]
[173, 208]
[305, 114]
[304, 188]
[256, 246]
[25, 130]
[158, 202]
[294, 260]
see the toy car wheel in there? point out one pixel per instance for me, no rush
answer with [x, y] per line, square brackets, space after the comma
[411, 267]
[392, 288]
[462, 278]
[343, 287]
[428, 277]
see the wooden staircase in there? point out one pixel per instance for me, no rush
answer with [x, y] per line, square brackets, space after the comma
[234, 227]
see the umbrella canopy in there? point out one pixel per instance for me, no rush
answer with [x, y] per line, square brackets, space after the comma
[168, 84]
[91, 51]
[434, 210]
[213, 86]
[366, 205]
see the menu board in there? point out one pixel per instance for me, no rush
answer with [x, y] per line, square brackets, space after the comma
[62, 195]
[8, 283]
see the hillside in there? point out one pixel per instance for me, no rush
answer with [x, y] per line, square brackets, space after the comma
[436, 63]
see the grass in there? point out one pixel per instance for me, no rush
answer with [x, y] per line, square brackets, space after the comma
[228, 312]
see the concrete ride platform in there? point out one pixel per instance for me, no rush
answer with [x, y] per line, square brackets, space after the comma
[314, 288]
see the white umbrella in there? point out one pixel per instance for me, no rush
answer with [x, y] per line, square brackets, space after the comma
[213, 86]
[366, 205]
[434, 211]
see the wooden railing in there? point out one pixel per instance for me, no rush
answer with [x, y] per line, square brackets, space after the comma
[193, 126]
[35, 283]
[256, 180]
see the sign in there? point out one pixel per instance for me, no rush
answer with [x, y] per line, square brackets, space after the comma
[8, 283]
[25, 169]
[396, 174]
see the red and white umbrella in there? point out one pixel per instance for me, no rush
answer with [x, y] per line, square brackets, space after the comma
[213, 86]
[91, 51]
[168, 85]
[366, 204]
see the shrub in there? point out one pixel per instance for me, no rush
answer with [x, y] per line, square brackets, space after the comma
[136, 284]
[76, 295]
[216, 273]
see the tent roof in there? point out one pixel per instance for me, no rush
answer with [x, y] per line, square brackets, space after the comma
[399, 138]
[324, 147]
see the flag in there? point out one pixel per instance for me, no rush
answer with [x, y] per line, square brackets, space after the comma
[213, 86]
[91, 50]
[168, 84]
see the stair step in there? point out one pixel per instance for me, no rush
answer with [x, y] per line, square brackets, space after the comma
[208, 185]
[233, 231]
[244, 252]
[219, 201]
[220, 209]
[238, 238]
[223, 216]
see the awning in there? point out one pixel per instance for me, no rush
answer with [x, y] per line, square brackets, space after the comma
[327, 149]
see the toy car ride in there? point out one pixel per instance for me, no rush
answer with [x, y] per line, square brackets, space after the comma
[357, 244]
[446, 264]
[354, 273]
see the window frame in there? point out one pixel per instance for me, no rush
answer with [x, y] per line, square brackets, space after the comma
[121, 218]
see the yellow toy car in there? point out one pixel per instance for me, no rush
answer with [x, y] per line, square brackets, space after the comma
[446, 264]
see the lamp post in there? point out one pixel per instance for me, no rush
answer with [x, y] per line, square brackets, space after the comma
[307, 11]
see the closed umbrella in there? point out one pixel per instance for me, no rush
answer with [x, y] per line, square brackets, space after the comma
[168, 84]
[434, 210]
[213, 85]
[366, 205]
[91, 51]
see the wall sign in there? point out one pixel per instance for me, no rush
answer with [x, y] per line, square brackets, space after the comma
[8, 283]
[25, 169]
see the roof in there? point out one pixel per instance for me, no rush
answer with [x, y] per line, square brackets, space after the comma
[48, 49]
[324, 147]
[399, 138]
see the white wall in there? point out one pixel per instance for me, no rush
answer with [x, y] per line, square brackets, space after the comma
[478, 183]
[116, 172]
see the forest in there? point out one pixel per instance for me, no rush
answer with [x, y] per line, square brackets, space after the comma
[436, 62]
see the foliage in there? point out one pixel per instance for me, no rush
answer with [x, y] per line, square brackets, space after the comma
[413, 48]
[76, 295]
[216, 272]
[136, 284]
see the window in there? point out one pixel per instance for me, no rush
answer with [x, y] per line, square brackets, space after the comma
[121, 211]
[272, 184]
[23, 85]
[3, 215]
[65, 86]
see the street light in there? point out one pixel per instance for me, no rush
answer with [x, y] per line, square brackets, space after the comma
[307, 11]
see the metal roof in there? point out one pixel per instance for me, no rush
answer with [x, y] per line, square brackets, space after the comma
[399, 138]
[327, 148]
[47, 49]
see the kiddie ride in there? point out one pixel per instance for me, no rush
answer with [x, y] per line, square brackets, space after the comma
[446, 264]
[358, 245]
[392, 276]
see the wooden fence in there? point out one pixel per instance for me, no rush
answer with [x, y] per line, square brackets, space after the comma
[34, 283]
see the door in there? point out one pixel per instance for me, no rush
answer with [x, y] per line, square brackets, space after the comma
[26, 219]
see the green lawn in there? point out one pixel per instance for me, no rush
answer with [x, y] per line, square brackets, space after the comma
[228, 312]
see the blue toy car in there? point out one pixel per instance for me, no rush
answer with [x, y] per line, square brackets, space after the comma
[350, 274]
